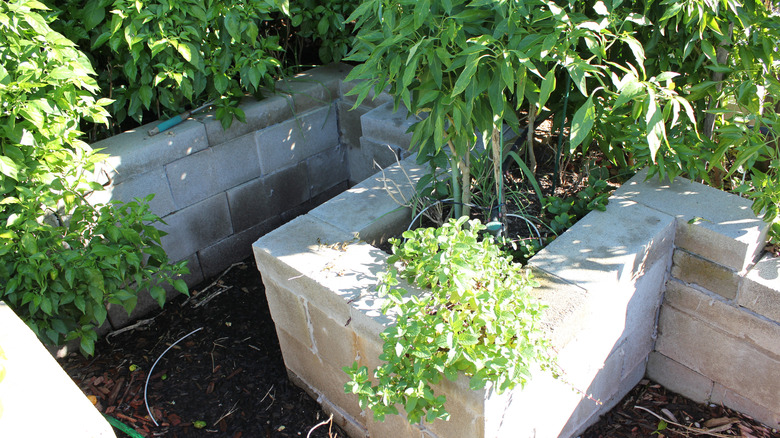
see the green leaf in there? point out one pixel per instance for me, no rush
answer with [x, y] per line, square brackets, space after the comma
[146, 94]
[8, 167]
[466, 75]
[548, 85]
[656, 130]
[582, 123]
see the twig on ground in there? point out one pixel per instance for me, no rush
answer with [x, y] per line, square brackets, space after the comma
[230, 412]
[139, 324]
[212, 296]
[266, 395]
[213, 283]
[329, 420]
[708, 432]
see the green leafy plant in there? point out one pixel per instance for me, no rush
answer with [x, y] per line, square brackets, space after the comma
[475, 317]
[562, 213]
[62, 260]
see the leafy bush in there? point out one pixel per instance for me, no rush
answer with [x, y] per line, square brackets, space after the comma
[159, 57]
[62, 260]
[477, 318]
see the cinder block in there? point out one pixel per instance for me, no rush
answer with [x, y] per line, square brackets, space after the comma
[289, 314]
[394, 426]
[154, 181]
[678, 378]
[236, 161]
[730, 234]
[731, 399]
[134, 152]
[326, 380]
[704, 273]
[294, 140]
[147, 305]
[249, 204]
[719, 357]
[287, 188]
[315, 87]
[196, 227]
[374, 204]
[350, 129]
[34, 383]
[372, 157]
[347, 423]
[743, 325]
[334, 341]
[760, 291]
[217, 257]
[259, 114]
[327, 169]
[385, 126]
[462, 423]
[328, 194]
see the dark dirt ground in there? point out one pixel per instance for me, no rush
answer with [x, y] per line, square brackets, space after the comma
[229, 379]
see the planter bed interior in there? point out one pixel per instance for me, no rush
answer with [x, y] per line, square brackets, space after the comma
[604, 281]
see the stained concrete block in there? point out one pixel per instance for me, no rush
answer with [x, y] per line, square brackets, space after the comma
[213, 170]
[217, 257]
[196, 227]
[729, 233]
[294, 140]
[327, 169]
[350, 129]
[249, 204]
[315, 87]
[583, 256]
[706, 274]
[760, 291]
[35, 384]
[719, 356]
[372, 156]
[260, 114]
[733, 400]
[289, 314]
[334, 341]
[743, 325]
[372, 210]
[678, 378]
[288, 188]
[385, 126]
[153, 182]
[134, 152]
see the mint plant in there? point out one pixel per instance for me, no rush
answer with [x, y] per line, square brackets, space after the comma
[62, 260]
[475, 317]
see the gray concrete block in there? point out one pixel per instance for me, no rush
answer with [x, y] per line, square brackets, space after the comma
[249, 205]
[213, 170]
[314, 88]
[35, 383]
[288, 188]
[729, 234]
[372, 157]
[196, 227]
[327, 169]
[260, 114]
[583, 257]
[384, 126]
[296, 139]
[216, 258]
[746, 326]
[334, 341]
[706, 274]
[134, 152]
[350, 129]
[733, 400]
[719, 356]
[292, 321]
[760, 291]
[153, 182]
[678, 378]
[328, 194]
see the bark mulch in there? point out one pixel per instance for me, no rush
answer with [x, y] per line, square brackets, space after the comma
[228, 379]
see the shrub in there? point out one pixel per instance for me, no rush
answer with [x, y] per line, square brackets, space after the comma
[62, 260]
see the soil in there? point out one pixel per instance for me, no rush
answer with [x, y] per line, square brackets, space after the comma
[229, 380]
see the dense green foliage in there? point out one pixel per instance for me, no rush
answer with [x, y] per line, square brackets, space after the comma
[477, 318]
[62, 260]
[158, 57]
[696, 104]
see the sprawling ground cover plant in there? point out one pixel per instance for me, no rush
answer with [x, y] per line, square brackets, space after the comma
[62, 260]
[477, 317]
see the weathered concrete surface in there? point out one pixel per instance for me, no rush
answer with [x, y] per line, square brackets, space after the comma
[38, 398]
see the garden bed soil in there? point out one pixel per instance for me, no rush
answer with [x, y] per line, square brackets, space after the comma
[228, 379]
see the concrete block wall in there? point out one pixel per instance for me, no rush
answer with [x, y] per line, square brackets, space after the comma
[719, 326]
[219, 190]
